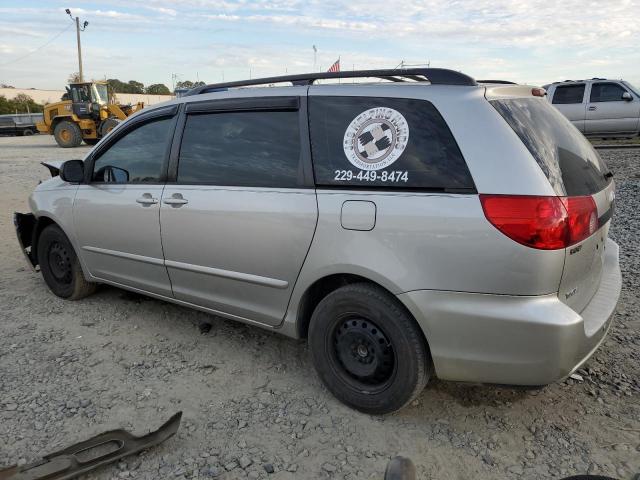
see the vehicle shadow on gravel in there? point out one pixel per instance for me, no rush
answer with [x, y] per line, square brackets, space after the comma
[475, 394]
[294, 354]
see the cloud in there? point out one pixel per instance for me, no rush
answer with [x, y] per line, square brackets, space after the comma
[15, 31]
[166, 11]
[532, 40]
[509, 22]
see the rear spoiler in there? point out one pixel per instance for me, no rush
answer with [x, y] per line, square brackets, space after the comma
[497, 91]
[53, 166]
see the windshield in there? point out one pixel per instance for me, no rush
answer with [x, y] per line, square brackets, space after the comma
[633, 88]
[101, 94]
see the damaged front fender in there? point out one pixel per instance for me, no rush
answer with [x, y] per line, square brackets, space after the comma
[25, 224]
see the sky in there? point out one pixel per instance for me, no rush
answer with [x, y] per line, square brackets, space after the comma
[157, 41]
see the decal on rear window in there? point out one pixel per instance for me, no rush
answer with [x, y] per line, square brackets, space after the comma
[376, 138]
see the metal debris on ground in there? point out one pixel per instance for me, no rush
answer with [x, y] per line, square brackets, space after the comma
[85, 456]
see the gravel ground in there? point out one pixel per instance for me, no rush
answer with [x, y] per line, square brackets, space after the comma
[251, 401]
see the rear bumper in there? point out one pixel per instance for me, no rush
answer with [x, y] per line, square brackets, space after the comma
[516, 340]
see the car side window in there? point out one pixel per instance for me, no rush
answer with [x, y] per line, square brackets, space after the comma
[138, 156]
[568, 94]
[245, 149]
[606, 92]
[381, 142]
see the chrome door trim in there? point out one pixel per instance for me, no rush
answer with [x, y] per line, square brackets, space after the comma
[218, 272]
[128, 256]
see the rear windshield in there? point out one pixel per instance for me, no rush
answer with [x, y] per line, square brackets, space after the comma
[566, 157]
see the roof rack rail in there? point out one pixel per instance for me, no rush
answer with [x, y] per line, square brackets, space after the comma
[437, 76]
[500, 82]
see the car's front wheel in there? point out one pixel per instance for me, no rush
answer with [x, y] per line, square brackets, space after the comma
[367, 349]
[60, 266]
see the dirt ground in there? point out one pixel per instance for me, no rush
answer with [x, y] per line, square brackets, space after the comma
[251, 400]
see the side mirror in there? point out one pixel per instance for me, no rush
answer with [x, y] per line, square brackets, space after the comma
[626, 96]
[72, 171]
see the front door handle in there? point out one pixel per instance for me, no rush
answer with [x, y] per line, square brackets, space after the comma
[176, 200]
[591, 109]
[146, 199]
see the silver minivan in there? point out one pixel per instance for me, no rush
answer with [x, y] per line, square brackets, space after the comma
[598, 107]
[419, 225]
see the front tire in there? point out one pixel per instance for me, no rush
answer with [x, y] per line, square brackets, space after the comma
[368, 350]
[60, 266]
[107, 125]
[67, 134]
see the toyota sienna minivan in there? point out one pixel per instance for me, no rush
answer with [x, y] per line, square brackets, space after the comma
[413, 225]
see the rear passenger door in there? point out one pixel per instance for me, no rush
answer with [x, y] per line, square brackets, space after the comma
[609, 112]
[240, 210]
[569, 99]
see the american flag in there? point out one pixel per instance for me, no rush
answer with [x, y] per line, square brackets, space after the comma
[335, 67]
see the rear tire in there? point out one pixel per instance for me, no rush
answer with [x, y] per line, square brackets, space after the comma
[67, 134]
[368, 350]
[27, 133]
[60, 266]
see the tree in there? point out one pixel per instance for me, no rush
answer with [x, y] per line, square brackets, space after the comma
[158, 89]
[20, 104]
[135, 87]
[189, 84]
[5, 105]
[132, 86]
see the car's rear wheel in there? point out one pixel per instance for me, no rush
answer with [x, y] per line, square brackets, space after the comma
[60, 266]
[67, 134]
[367, 349]
[27, 133]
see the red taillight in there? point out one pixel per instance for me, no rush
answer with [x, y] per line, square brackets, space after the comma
[583, 218]
[546, 223]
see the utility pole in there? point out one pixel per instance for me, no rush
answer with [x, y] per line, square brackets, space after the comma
[78, 30]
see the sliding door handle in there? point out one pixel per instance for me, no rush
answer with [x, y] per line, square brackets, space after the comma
[146, 199]
[175, 200]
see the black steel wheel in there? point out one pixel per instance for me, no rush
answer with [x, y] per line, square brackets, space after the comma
[362, 353]
[59, 262]
[367, 349]
[60, 266]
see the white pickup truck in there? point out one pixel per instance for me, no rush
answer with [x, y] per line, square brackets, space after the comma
[598, 107]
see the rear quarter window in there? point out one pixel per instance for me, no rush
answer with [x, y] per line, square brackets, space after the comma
[569, 94]
[567, 158]
[376, 142]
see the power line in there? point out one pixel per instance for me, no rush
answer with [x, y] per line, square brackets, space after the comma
[40, 47]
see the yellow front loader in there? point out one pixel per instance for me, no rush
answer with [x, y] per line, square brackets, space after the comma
[86, 115]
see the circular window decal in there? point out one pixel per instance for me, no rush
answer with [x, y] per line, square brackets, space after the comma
[376, 138]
